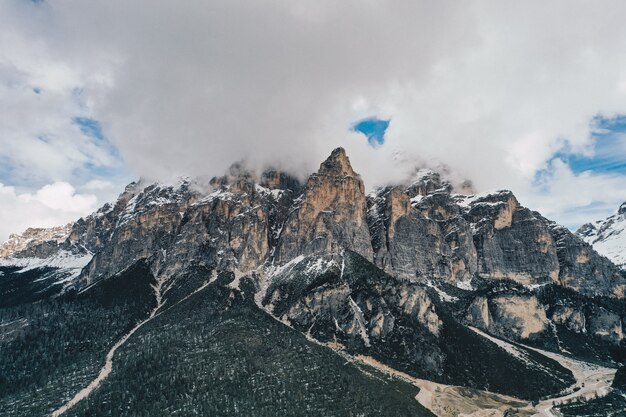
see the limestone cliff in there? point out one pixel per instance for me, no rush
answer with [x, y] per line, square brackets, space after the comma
[330, 215]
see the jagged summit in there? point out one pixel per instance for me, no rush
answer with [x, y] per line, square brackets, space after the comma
[413, 276]
[330, 215]
[243, 221]
[239, 177]
[337, 164]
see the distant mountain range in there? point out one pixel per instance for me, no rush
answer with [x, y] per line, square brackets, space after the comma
[257, 295]
[608, 236]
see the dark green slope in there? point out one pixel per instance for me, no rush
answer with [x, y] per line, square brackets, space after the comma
[51, 349]
[26, 287]
[613, 405]
[217, 354]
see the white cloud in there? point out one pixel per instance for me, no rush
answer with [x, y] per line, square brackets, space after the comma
[98, 185]
[574, 199]
[51, 205]
[490, 88]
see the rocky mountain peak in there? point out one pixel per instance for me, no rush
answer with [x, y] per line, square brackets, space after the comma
[426, 181]
[622, 208]
[399, 274]
[331, 214]
[337, 164]
[275, 179]
[425, 229]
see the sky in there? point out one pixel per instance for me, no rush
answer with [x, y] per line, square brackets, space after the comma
[528, 96]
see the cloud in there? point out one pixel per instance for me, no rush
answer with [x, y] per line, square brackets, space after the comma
[561, 192]
[492, 89]
[51, 205]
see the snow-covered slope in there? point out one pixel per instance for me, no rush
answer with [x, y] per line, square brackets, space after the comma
[608, 236]
[32, 237]
[39, 248]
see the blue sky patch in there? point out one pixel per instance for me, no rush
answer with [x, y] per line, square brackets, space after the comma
[374, 130]
[609, 148]
[89, 127]
[90, 170]
[7, 170]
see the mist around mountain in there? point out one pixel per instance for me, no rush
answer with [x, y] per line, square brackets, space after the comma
[262, 295]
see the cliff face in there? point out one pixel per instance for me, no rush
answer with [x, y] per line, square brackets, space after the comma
[456, 238]
[330, 215]
[421, 230]
[582, 268]
[232, 227]
[398, 274]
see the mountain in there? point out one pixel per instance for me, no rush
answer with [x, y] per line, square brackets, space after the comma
[256, 294]
[608, 236]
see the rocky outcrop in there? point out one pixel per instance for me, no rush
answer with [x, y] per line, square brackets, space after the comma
[606, 325]
[455, 238]
[582, 268]
[421, 235]
[345, 299]
[143, 229]
[519, 317]
[233, 227]
[511, 242]
[95, 230]
[572, 317]
[331, 214]
[425, 231]
[514, 317]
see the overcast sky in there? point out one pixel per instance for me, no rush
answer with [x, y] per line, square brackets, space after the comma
[527, 96]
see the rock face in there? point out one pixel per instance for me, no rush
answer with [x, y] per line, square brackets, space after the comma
[35, 242]
[457, 238]
[331, 214]
[239, 221]
[583, 269]
[510, 241]
[143, 229]
[608, 236]
[233, 227]
[571, 317]
[424, 236]
[606, 325]
[398, 274]
[515, 317]
[421, 234]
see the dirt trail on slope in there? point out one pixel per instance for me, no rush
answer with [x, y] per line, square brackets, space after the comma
[454, 401]
[108, 362]
[591, 380]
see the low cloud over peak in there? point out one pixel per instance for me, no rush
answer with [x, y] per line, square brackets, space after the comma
[492, 89]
